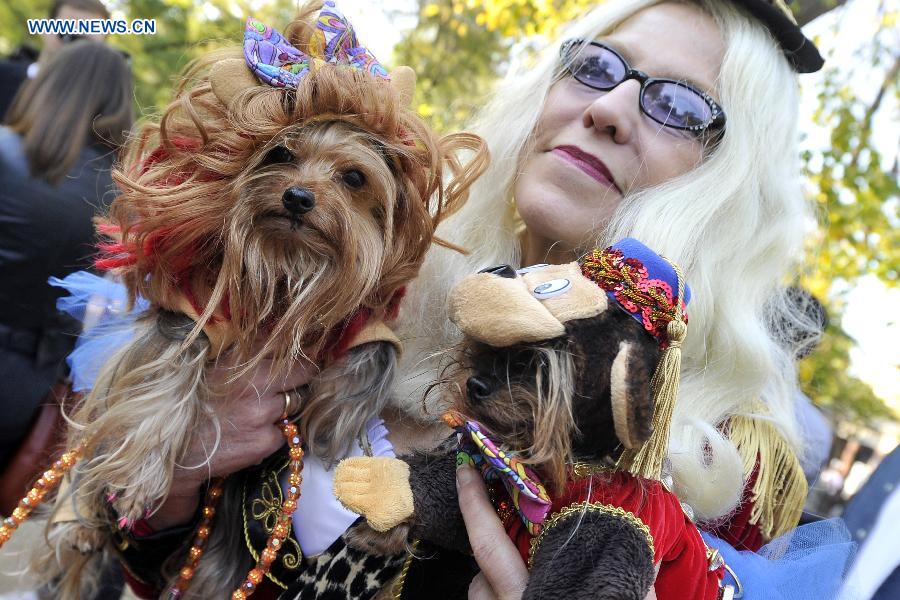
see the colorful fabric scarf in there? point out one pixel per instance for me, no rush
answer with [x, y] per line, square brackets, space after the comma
[524, 487]
[276, 62]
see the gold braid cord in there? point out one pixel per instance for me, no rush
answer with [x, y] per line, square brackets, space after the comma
[584, 507]
[665, 320]
[780, 488]
[397, 587]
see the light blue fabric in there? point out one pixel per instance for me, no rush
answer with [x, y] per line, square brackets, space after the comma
[808, 563]
[100, 304]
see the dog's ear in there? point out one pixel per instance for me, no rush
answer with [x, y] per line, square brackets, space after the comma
[630, 395]
[229, 77]
[403, 79]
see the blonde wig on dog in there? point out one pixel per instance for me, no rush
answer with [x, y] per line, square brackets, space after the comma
[733, 223]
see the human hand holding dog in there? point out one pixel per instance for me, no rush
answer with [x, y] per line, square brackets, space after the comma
[249, 411]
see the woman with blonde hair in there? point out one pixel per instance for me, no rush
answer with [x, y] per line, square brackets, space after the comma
[671, 122]
[724, 203]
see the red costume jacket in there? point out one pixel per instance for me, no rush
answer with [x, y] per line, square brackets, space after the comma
[678, 550]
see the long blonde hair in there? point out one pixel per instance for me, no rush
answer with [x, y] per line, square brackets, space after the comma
[748, 187]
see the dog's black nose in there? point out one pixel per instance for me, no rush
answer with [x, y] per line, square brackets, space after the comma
[298, 200]
[479, 390]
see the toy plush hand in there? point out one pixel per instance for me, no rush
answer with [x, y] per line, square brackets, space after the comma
[376, 488]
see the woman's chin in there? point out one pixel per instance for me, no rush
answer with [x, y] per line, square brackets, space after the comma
[558, 220]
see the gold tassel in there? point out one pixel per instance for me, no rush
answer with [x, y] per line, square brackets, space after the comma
[780, 489]
[647, 462]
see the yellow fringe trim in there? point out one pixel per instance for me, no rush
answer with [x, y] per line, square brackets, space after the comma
[780, 489]
[647, 462]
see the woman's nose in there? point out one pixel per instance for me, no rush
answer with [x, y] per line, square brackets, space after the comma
[617, 112]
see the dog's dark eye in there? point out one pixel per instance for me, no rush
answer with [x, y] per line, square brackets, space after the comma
[354, 179]
[277, 156]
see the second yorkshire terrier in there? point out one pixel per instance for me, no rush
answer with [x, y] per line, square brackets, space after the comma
[272, 220]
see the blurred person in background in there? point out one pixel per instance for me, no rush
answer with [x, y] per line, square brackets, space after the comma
[815, 429]
[22, 66]
[56, 152]
[872, 517]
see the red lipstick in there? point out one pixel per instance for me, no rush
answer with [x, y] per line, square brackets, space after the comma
[588, 163]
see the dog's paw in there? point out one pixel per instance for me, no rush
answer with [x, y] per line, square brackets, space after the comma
[84, 540]
[129, 510]
[364, 538]
[376, 488]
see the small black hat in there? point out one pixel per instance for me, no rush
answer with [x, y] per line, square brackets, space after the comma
[777, 17]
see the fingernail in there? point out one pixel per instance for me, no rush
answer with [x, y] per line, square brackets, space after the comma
[464, 475]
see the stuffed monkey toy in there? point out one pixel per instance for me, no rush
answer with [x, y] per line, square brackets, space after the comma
[567, 377]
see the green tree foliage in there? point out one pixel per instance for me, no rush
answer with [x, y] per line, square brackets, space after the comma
[856, 191]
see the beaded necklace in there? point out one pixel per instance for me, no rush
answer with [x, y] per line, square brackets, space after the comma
[276, 538]
[35, 495]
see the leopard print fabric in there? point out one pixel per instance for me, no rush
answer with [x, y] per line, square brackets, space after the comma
[343, 573]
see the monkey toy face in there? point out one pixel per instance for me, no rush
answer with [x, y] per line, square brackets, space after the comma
[561, 375]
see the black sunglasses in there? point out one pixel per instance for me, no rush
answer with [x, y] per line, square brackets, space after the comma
[669, 102]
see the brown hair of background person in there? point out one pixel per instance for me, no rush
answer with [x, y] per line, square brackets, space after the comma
[70, 9]
[94, 7]
[25, 62]
[53, 127]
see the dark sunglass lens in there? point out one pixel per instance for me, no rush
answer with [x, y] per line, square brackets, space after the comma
[675, 105]
[596, 66]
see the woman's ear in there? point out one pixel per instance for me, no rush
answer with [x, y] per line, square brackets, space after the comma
[630, 396]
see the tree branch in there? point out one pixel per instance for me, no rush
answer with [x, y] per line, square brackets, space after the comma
[889, 80]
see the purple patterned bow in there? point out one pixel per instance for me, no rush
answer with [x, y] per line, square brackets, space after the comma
[276, 62]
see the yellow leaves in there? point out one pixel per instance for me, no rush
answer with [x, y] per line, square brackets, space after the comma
[425, 109]
[431, 10]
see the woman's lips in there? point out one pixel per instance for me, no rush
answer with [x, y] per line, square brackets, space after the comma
[588, 163]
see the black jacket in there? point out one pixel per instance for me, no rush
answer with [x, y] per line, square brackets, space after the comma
[861, 514]
[44, 230]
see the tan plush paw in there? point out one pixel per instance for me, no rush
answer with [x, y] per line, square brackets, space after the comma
[376, 488]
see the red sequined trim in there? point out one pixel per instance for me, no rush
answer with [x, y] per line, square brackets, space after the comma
[651, 300]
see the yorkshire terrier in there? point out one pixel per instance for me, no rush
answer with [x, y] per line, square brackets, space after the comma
[261, 223]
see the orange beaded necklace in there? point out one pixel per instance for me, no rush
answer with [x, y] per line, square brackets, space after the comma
[276, 539]
[35, 496]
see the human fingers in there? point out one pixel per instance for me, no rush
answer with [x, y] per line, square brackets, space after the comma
[300, 373]
[502, 566]
[480, 589]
